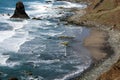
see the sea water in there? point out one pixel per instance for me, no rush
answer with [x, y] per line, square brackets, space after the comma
[35, 49]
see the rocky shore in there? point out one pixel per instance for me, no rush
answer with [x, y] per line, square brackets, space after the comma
[104, 64]
[102, 15]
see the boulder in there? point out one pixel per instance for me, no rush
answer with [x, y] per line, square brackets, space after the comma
[13, 78]
[20, 11]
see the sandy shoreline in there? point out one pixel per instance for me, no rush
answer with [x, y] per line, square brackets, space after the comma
[100, 50]
[106, 56]
[103, 43]
[95, 71]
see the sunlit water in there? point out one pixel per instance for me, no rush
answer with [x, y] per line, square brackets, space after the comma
[36, 46]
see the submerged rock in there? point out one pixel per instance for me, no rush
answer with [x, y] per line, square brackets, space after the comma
[36, 18]
[20, 11]
[65, 43]
[13, 78]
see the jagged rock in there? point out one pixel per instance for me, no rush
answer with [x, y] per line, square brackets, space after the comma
[20, 11]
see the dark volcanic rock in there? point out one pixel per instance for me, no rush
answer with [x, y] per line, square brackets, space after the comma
[20, 11]
[13, 78]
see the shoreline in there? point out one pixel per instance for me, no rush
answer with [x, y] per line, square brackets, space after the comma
[95, 70]
[112, 41]
[97, 38]
[103, 65]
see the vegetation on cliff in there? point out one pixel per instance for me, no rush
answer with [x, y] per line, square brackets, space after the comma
[106, 12]
[113, 73]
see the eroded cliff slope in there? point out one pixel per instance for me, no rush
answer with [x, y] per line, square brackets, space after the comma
[106, 12]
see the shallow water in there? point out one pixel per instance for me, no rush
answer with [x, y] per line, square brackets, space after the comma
[38, 46]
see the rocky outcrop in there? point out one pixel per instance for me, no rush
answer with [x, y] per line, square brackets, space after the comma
[20, 11]
[102, 5]
[13, 78]
[105, 12]
[113, 73]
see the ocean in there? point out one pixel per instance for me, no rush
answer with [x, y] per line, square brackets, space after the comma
[46, 49]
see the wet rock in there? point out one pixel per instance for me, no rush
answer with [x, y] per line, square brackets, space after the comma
[66, 37]
[20, 11]
[36, 18]
[28, 73]
[8, 14]
[13, 78]
[48, 2]
[65, 43]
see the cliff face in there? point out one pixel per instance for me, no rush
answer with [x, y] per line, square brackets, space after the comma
[103, 5]
[113, 73]
[106, 12]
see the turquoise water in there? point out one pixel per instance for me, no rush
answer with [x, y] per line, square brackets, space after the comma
[34, 50]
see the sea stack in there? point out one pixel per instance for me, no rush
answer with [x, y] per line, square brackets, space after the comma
[20, 11]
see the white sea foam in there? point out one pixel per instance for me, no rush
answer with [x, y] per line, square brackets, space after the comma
[8, 41]
[38, 8]
[66, 4]
[32, 78]
[3, 59]
[52, 33]
[45, 61]
[72, 74]
[13, 64]
[18, 25]
[44, 10]
[12, 44]
[5, 34]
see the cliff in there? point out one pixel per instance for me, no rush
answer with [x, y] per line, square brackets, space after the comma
[106, 12]
[113, 73]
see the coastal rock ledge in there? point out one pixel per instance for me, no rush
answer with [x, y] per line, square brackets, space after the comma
[20, 11]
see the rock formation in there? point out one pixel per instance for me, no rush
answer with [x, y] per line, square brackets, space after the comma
[13, 78]
[105, 12]
[20, 11]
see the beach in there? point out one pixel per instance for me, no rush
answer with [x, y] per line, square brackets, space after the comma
[104, 65]
[103, 43]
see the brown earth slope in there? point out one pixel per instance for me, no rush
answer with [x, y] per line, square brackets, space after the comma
[106, 12]
[113, 73]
